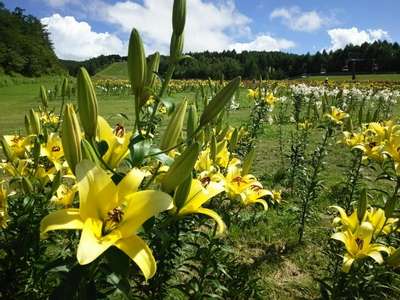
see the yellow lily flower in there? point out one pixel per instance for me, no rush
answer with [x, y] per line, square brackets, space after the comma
[371, 150]
[277, 196]
[358, 245]
[199, 194]
[18, 144]
[117, 140]
[270, 99]
[204, 162]
[110, 215]
[235, 183]
[53, 150]
[18, 168]
[352, 139]
[64, 195]
[223, 155]
[252, 93]
[337, 115]
[344, 221]
[254, 193]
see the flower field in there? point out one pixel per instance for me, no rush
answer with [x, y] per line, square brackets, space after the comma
[155, 188]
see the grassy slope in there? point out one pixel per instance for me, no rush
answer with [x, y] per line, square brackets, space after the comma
[116, 70]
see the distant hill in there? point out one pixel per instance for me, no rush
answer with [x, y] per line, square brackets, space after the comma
[25, 47]
[118, 70]
[93, 65]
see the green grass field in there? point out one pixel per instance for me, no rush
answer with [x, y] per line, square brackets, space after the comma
[287, 269]
[361, 77]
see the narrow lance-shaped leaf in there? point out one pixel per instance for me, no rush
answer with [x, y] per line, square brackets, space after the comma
[218, 103]
[362, 205]
[191, 121]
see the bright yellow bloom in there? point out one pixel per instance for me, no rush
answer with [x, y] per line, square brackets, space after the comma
[17, 168]
[110, 215]
[45, 173]
[270, 99]
[201, 192]
[204, 162]
[117, 140]
[252, 93]
[305, 125]
[337, 115]
[64, 195]
[53, 150]
[235, 183]
[18, 144]
[277, 196]
[358, 245]
[352, 139]
[345, 222]
[254, 193]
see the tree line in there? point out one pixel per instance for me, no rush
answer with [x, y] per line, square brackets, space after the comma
[379, 56]
[25, 46]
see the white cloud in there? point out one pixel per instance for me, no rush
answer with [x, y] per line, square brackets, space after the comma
[299, 20]
[76, 40]
[264, 43]
[209, 26]
[340, 37]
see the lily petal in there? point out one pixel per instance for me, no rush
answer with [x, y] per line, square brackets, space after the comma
[92, 245]
[61, 219]
[140, 253]
[142, 206]
[97, 192]
[347, 262]
[130, 183]
[215, 216]
[199, 195]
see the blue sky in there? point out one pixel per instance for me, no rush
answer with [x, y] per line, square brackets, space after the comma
[83, 29]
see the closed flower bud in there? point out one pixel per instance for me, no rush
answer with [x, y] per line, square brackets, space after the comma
[362, 205]
[87, 103]
[35, 122]
[43, 96]
[6, 149]
[182, 192]
[137, 65]
[28, 126]
[179, 16]
[220, 100]
[152, 69]
[181, 168]
[174, 128]
[71, 137]
[191, 121]
[176, 47]
[64, 88]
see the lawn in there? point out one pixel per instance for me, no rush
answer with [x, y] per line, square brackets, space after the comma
[268, 243]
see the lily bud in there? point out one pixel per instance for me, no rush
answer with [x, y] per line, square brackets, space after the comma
[64, 88]
[137, 64]
[394, 259]
[182, 192]
[35, 122]
[152, 69]
[28, 126]
[213, 148]
[219, 101]
[248, 162]
[87, 103]
[43, 96]
[181, 168]
[27, 185]
[362, 205]
[6, 149]
[71, 137]
[191, 121]
[176, 47]
[174, 128]
[89, 153]
[179, 16]
[233, 141]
